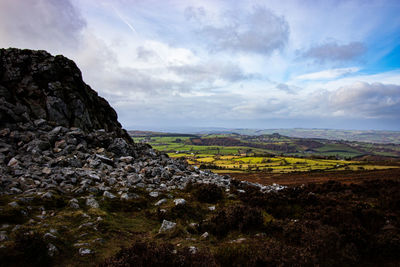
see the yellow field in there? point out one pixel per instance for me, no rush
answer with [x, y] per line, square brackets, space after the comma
[272, 164]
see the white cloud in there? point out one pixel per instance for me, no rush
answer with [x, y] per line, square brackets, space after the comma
[371, 100]
[257, 31]
[44, 24]
[332, 51]
[290, 89]
[357, 100]
[328, 74]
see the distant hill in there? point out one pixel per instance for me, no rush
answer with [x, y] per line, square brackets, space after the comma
[369, 136]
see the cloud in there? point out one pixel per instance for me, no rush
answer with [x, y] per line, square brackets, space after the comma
[290, 89]
[332, 51]
[371, 100]
[144, 54]
[211, 71]
[262, 108]
[181, 80]
[358, 100]
[259, 31]
[109, 76]
[194, 13]
[46, 24]
[327, 74]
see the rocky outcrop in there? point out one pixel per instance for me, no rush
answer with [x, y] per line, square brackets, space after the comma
[36, 85]
[44, 159]
[58, 136]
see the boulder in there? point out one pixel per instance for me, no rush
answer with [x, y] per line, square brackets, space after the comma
[179, 201]
[91, 202]
[108, 195]
[167, 226]
[85, 251]
[160, 202]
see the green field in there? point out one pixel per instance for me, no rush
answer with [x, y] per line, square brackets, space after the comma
[262, 154]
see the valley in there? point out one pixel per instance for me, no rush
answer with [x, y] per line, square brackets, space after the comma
[272, 154]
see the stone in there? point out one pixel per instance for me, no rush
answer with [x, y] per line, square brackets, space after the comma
[108, 195]
[47, 195]
[46, 170]
[52, 250]
[204, 235]
[179, 201]
[15, 190]
[60, 144]
[192, 249]
[112, 181]
[134, 178]
[13, 163]
[13, 204]
[238, 241]
[126, 159]
[105, 160]
[85, 225]
[119, 147]
[212, 208]
[73, 203]
[16, 228]
[160, 202]
[94, 176]
[129, 196]
[154, 194]
[3, 236]
[49, 236]
[80, 244]
[85, 251]
[91, 202]
[194, 225]
[167, 226]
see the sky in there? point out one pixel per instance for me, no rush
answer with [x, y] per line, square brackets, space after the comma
[166, 65]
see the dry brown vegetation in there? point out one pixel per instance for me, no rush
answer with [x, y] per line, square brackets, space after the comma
[328, 224]
[317, 177]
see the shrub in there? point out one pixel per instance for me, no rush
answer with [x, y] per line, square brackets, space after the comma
[262, 253]
[31, 250]
[208, 193]
[184, 212]
[239, 217]
[113, 205]
[12, 215]
[153, 254]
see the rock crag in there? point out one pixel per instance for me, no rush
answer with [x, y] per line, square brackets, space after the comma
[36, 85]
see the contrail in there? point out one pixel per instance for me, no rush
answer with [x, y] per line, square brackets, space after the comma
[124, 20]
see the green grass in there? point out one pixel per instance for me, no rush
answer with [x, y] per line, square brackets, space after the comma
[247, 158]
